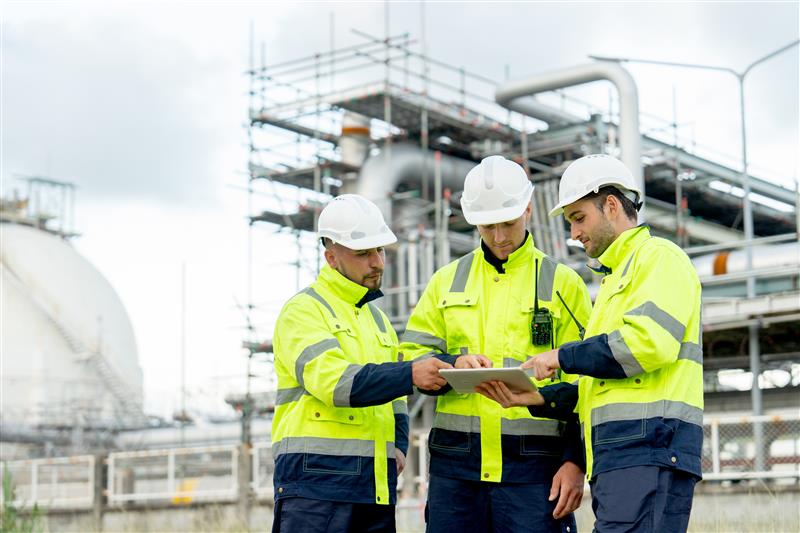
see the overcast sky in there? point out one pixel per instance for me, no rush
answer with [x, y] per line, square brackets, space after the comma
[142, 106]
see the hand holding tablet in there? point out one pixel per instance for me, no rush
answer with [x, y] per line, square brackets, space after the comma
[465, 380]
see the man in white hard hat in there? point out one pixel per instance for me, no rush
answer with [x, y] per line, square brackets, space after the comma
[340, 430]
[490, 469]
[640, 395]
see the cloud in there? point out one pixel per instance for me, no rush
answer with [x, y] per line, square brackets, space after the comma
[121, 110]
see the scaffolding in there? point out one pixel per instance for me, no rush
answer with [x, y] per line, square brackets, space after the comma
[384, 119]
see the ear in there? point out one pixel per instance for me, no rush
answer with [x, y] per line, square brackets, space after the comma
[330, 257]
[527, 213]
[612, 206]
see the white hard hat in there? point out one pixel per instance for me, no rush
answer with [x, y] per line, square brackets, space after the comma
[354, 222]
[588, 174]
[496, 190]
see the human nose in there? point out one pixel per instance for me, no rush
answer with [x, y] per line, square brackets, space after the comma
[499, 234]
[376, 259]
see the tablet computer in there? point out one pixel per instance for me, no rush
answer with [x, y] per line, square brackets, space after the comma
[465, 380]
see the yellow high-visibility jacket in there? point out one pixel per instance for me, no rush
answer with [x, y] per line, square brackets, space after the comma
[640, 397]
[340, 410]
[470, 306]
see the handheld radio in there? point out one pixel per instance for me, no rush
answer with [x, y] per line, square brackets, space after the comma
[542, 321]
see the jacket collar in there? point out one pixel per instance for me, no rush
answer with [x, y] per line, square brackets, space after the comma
[518, 257]
[345, 289]
[627, 241]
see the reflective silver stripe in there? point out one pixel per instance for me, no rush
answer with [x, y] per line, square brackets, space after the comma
[310, 353]
[399, 407]
[323, 446]
[425, 339]
[467, 424]
[547, 276]
[692, 352]
[625, 270]
[531, 426]
[425, 356]
[462, 273]
[314, 294]
[390, 450]
[378, 318]
[341, 392]
[509, 362]
[288, 395]
[661, 317]
[623, 354]
[636, 411]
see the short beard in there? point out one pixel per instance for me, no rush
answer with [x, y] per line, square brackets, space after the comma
[602, 239]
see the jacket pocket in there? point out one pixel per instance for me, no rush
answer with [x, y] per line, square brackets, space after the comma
[449, 441]
[332, 464]
[342, 415]
[623, 416]
[540, 446]
[462, 317]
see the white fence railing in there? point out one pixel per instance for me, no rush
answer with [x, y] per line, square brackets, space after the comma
[263, 467]
[59, 482]
[187, 475]
[180, 476]
[729, 450]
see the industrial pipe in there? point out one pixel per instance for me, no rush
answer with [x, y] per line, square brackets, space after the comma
[511, 96]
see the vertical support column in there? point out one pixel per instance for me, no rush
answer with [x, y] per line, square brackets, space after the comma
[171, 473]
[556, 224]
[422, 465]
[715, 446]
[413, 263]
[758, 408]
[523, 140]
[428, 265]
[402, 279]
[34, 481]
[243, 465]
[98, 492]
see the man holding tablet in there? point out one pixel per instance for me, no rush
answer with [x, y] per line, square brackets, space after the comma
[490, 468]
[640, 396]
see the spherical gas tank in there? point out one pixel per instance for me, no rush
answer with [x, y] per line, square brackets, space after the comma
[69, 352]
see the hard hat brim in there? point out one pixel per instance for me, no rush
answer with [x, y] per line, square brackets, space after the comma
[370, 242]
[495, 217]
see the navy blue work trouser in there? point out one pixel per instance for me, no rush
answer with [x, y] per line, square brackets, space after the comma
[646, 499]
[304, 515]
[457, 505]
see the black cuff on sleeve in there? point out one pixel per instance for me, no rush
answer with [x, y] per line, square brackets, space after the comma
[560, 400]
[590, 357]
[573, 445]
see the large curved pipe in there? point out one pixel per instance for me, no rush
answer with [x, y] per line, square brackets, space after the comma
[764, 256]
[381, 174]
[511, 96]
